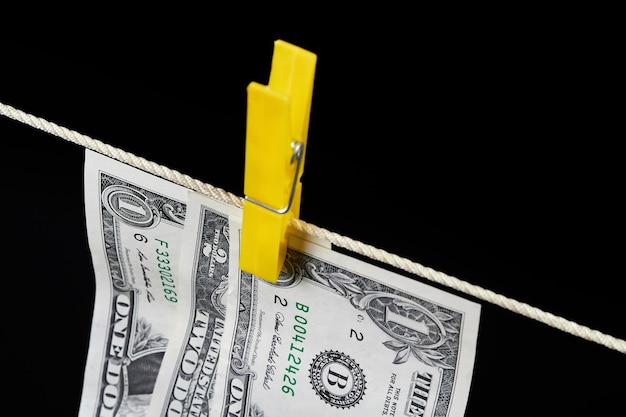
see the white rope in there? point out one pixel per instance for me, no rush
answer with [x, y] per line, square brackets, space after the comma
[369, 251]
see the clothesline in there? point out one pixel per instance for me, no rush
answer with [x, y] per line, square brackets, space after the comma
[366, 250]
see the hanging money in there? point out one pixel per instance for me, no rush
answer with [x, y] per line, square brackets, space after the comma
[210, 256]
[336, 336]
[135, 229]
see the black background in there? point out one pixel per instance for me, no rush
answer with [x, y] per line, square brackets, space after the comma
[484, 147]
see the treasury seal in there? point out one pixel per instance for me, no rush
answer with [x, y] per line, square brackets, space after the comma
[337, 379]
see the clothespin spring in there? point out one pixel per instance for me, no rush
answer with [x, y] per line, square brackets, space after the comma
[298, 153]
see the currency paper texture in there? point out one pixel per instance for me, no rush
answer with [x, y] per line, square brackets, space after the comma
[339, 337]
[135, 223]
[210, 257]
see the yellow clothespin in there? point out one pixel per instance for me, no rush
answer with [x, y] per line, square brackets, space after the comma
[276, 133]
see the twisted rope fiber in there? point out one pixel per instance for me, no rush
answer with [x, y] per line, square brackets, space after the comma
[369, 251]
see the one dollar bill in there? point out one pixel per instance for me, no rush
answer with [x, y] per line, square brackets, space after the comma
[339, 337]
[135, 224]
[209, 262]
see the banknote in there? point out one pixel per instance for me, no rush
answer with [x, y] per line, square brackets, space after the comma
[135, 224]
[335, 336]
[178, 330]
[210, 257]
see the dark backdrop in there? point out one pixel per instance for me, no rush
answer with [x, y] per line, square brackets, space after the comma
[481, 147]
